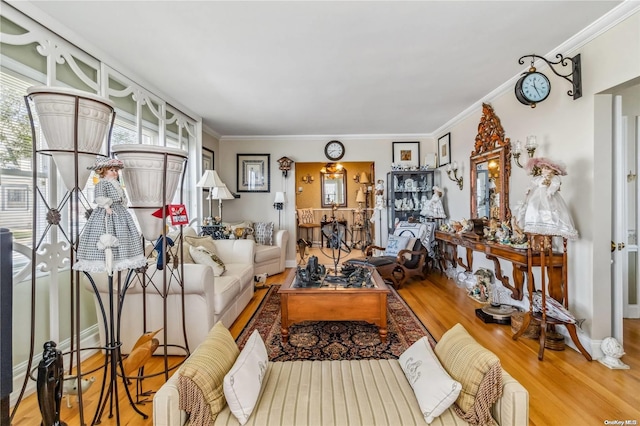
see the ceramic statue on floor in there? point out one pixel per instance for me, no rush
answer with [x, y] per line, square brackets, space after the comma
[110, 240]
[612, 351]
[49, 385]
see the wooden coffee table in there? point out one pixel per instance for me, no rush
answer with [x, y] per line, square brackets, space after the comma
[334, 303]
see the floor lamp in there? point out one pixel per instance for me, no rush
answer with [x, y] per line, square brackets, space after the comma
[211, 180]
[278, 204]
[220, 192]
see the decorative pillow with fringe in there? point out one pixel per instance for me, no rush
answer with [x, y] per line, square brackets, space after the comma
[201, 377]
[477, 369]
[203, 256]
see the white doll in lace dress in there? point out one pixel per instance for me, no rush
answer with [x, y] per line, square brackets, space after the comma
[544, 211]
[434, 208]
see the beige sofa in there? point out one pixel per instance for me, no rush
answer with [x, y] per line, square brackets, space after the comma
[269, 259]
[297, 393]
[207, 299]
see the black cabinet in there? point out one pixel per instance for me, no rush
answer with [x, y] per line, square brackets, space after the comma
[407, 193]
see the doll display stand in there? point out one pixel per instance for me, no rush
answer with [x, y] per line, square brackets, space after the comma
[543, 244]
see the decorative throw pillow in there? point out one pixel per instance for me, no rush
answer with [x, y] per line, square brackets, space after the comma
[305, 216]
[395, 244]
[204, 257]
[243, 383]
[201, 377]
[435, 390]
[263, 233]
[477, 369]
[205, 241]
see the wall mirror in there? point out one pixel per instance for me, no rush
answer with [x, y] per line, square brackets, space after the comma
[333, 185]
[490, 169]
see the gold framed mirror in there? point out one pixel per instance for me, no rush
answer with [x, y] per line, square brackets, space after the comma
[333, 185]
[490, 169]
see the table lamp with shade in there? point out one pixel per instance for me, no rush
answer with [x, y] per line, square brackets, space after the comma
[220, 192]
[210, 179]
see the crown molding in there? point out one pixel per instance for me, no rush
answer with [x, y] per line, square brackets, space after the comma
[314, 138]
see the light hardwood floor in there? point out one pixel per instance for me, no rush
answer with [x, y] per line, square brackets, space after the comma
[564, 389]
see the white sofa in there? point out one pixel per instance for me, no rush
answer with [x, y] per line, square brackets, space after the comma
[207, 299]
[269, 259]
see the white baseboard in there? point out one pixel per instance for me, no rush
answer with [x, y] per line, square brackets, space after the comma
[89, 338]
[592, 346]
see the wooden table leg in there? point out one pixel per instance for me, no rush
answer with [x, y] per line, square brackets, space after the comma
[284, 311]
[574, 337]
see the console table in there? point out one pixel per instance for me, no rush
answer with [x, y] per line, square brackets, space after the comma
[556, 263]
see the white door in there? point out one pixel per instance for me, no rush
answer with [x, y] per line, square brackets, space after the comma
[631, 284]
[625, 277]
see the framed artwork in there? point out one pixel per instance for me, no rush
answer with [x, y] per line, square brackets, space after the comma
[207, 159]
[254, 173]
[444, 150]
[406, 154]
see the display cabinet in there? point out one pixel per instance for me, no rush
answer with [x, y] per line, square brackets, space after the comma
[407, 192]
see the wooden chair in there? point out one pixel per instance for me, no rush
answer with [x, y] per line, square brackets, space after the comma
[408, 263]
[306, 221]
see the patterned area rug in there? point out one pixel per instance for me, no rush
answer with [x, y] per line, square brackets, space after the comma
[329, 340]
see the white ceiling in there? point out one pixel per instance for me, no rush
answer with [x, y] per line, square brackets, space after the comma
[322, 68]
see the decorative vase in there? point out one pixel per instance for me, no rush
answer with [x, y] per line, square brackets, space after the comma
[56, 108]
[145, 170]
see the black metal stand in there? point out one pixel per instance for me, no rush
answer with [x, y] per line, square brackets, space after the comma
[113, 359]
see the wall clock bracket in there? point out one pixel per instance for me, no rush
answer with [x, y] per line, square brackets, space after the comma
[574, 77]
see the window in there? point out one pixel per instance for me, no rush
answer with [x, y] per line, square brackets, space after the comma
[141, 118]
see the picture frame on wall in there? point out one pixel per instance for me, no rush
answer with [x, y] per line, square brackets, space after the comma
[406, 154]
[444, 150]
[254, 172]
[207, 159]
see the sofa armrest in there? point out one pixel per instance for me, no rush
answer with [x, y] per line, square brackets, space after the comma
[280, 238]
[512, 408]
[166, 404]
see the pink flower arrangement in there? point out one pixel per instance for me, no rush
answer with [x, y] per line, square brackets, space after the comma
[541, 163]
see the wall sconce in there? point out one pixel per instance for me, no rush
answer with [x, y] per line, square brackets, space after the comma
[285, 165]
[454, 169]
[361, 178]
[308, 179]
[530, 146]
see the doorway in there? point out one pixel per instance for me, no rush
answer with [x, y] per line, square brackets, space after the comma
[625, 218]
